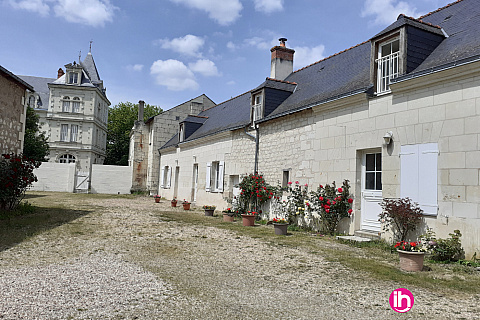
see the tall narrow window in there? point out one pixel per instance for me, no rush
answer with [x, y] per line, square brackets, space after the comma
[73, 133]
[285, 178]
[215, 171]
[387, 62]
[64, 132]
[66, 104]
[31, 102]
[373, 171]
[73, 78]
[181, 133]
[76, 104]
[257, 108]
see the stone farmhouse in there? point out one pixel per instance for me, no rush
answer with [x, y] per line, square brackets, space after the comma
[13, 109]
[397, 115]
[73, 111]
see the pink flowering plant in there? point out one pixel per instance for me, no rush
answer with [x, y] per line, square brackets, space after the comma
[332, 204]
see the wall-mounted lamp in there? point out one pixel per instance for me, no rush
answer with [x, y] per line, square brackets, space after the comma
[388, 137]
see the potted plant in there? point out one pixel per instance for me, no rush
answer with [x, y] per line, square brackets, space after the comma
[280, 226]
[209, 210]
[157, 198]
[228, 215]
[411, 255]
[186, 205]
[174, 202]
[248, 219]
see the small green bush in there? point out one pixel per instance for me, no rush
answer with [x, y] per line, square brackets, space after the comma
[449, 249]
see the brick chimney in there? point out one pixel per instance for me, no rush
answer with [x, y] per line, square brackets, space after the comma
[141, 106]
[60, 73]
[282, 61]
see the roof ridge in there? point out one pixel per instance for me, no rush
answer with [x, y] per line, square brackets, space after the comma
[283, 81]
[193, 115]
[439, 9]
[333, 55]
[249, 91]
[421, 21]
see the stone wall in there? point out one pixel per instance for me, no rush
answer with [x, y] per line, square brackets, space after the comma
[12, 116]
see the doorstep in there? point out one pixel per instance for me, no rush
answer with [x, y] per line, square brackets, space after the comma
[354, 238]
[374, 235]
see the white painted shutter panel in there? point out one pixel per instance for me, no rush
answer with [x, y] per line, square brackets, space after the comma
[427, 177]
[409, 172]
[221, 167]
[162, 177]
[169, 177]
[207, 180]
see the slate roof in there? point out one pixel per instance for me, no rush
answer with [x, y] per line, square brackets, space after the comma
[195, 119]
[15, 78]
[89, 66]
[40, 85]
[348, 72]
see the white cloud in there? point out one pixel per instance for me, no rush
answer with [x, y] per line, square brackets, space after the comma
[204, 67]
[174, 75]
[188, 45]
[89, 12]
[307, 55]
[224, 12]
[268, 6]
[38, 6]
[230, 45]
[386, 12]
[135, 67]
[231, 83]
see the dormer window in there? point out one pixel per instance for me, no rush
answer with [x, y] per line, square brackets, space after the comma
[181, 133]
[387, 64]
[72, 77]
[257, 107]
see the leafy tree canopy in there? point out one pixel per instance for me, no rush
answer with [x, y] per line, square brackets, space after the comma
[120, 122]
[35, 145]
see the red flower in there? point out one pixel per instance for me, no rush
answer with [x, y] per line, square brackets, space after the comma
[350, 200]
[306, 184]
[340, 190]
[320, 198]
[413, 244]
[327, 210]
[290, 182]
[350, 211]
[296, 182]
[321, 186]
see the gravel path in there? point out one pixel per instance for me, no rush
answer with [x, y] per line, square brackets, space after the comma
[122, 261]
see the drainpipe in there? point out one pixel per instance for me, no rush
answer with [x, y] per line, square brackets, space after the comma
[254, 138]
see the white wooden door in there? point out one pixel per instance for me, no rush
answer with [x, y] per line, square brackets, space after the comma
[371, 191]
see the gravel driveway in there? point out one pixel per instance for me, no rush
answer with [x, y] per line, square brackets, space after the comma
[124, 261]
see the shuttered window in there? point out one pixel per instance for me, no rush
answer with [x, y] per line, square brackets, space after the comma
[419, 176]
[214, 177]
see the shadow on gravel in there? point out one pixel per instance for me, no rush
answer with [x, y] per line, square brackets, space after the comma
[15, 229]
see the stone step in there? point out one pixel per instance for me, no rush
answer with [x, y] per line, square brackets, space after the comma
[354, 238]
[367, 234]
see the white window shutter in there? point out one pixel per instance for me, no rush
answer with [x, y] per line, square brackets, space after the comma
[162, 177]
[207, 181]
[169, 176]
[427, 172]
[221, 170]
[409, 172]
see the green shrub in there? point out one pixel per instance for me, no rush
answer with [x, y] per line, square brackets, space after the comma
[449, 249]
[400, 216]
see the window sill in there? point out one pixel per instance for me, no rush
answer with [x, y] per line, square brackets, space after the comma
[378, 94]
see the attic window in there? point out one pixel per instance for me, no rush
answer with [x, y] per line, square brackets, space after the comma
[181, 133]
[257, 104]
[387, 64]
[72, 78]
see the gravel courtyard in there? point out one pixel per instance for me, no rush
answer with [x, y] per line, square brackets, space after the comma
[129, 258]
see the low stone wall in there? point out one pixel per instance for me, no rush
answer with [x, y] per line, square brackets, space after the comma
[111, 179]
[52, 176]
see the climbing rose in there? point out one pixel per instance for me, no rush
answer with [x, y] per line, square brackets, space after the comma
[350, 200]
[340, 190]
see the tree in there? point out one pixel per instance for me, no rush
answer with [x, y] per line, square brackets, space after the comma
[35, 143]
[120, 122]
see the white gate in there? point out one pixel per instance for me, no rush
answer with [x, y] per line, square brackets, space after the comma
[81, 181]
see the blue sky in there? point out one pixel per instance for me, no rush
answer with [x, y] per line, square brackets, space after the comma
[168, 51]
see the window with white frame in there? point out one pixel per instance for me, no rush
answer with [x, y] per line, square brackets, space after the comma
[418, 175]
[73, 133]
[72, 77]
[64, 132]
[214, 179]
[165, 177]
[66, 158]
[387, 64]
[66, 104]
[31, 102]
[181, 133]
[373, 171]
[76, 104]
[257, 108]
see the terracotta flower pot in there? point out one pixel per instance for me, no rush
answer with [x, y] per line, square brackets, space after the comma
[228, 218]
[209, 212]
[280, 229]
[174, 203]
[410, 260]
[248, 220]
[157, 200]
[186, 206]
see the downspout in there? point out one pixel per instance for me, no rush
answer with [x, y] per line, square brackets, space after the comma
[254, 138]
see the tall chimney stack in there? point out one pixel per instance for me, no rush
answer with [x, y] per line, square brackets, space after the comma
[282, 61]
[141, 106]
[60, 73]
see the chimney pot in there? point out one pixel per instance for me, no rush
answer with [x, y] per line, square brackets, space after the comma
[60, 73]
[282, 41]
